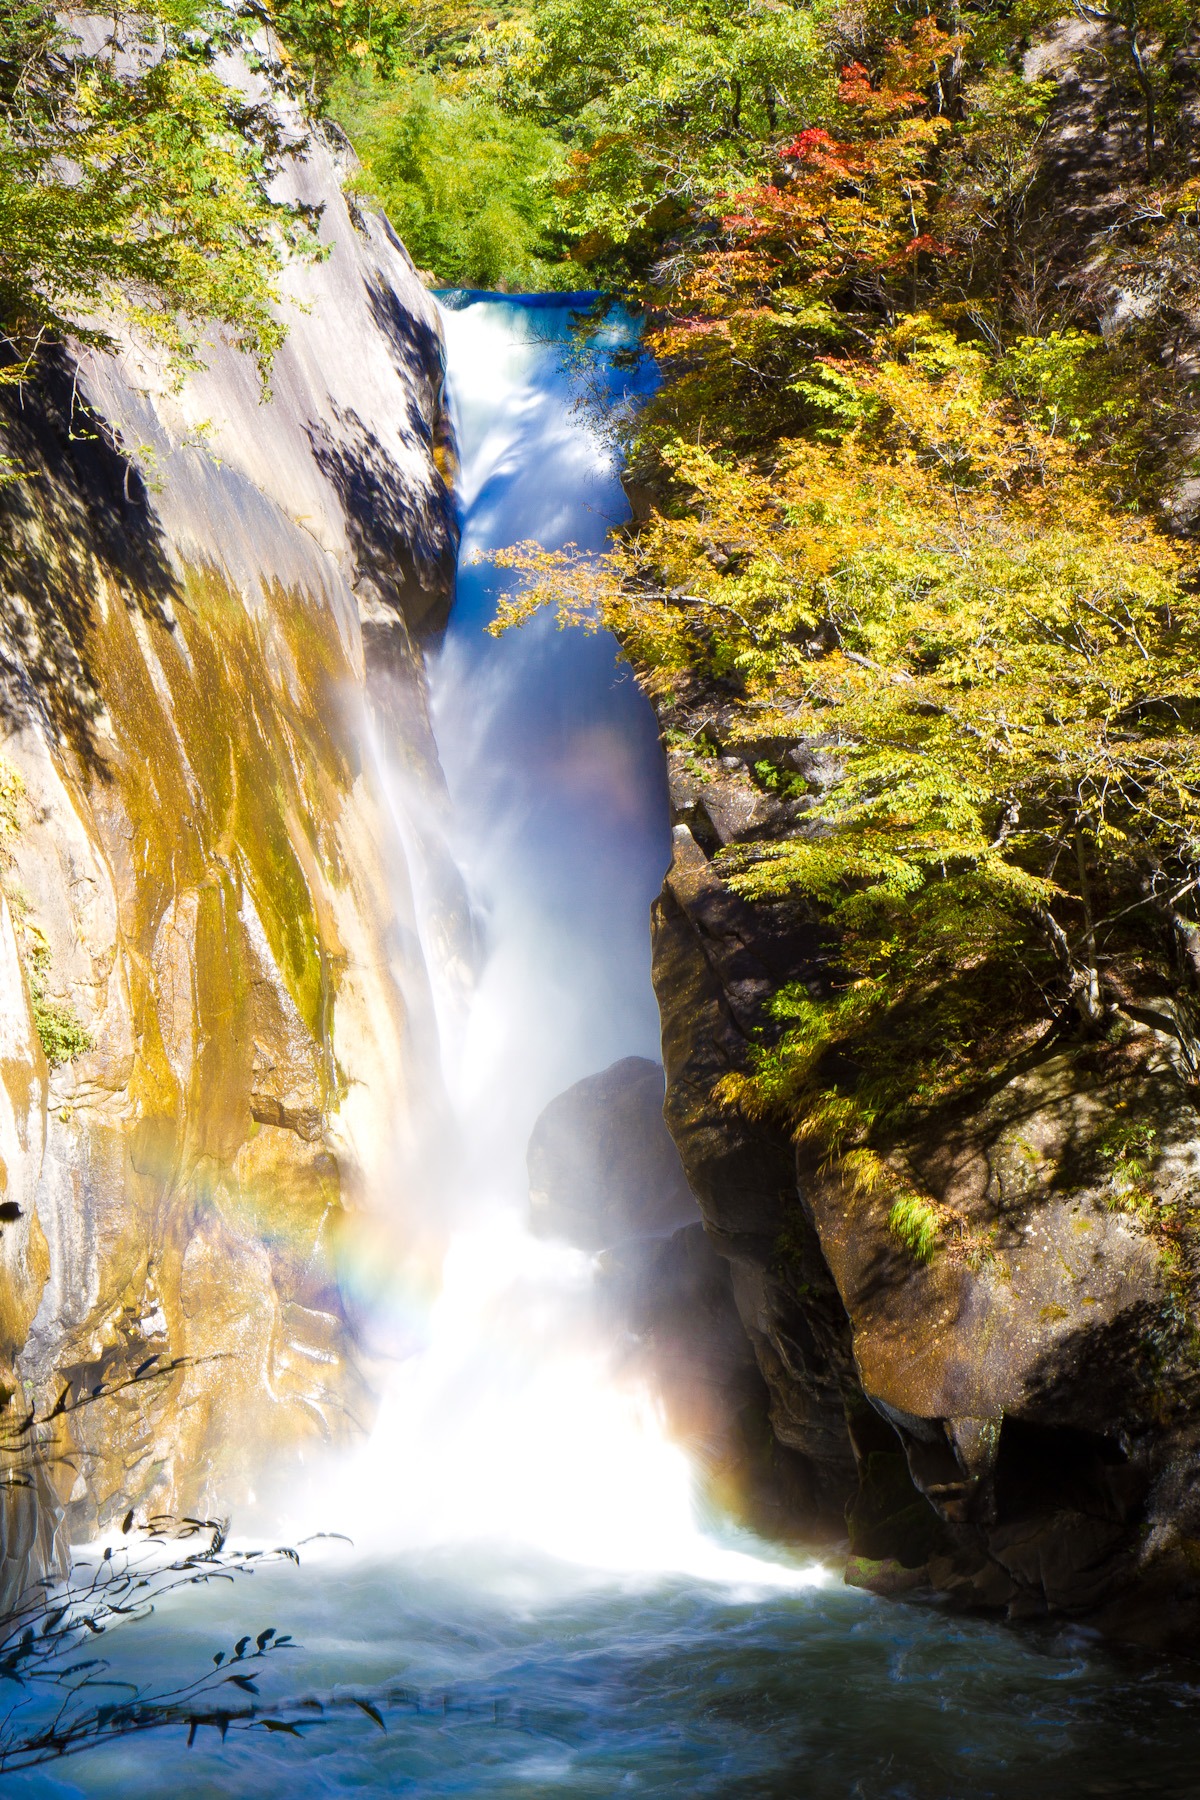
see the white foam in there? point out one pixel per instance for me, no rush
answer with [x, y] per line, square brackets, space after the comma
[512, 1425]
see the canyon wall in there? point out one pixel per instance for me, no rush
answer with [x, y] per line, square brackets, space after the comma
[1013, 1423]
[214, 1001]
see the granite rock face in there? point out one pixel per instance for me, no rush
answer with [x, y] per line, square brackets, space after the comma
[1016, 1423]
[209, 603]
[715, 965]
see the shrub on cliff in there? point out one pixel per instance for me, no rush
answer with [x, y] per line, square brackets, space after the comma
[132, 176]
[501, 140]
[467, 185]
[467, 181]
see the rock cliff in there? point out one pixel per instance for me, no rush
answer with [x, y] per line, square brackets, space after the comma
[1015, 1422]
[213, 1002]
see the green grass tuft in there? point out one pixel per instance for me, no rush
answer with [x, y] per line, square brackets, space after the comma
[915, 1222]
[63, 1034]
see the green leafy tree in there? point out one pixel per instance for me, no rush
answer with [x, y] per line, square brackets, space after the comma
[907, 513]
[661, 102]
[133, 177]
[466, 184]
[328, 37]
[332, 39]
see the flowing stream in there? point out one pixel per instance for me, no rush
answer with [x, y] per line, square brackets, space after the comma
[531, 1606]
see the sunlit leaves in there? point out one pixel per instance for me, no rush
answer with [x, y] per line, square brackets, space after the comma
[661, 101]
[466, 184]
[132, 175]
[907, 511]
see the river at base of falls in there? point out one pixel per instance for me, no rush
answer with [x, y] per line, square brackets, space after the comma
[532, 1607]
[503, 1676]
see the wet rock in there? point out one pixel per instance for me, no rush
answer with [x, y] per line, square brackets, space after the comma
[886, 1577]
[716, 961]
[1017, 1417]
[675, 1300]
[676, 1297]
[605, 1175]
[602, 1164]
[889, 1516]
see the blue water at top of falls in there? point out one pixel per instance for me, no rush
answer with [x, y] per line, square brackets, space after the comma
[580, 299]
[532, 1612]
[551, 752]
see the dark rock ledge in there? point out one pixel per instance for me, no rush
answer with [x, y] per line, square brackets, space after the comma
[1014, 1426]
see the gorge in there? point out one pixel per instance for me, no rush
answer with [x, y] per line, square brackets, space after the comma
[530, 1605]
[342, 942]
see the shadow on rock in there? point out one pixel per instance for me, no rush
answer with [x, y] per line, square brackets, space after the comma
[77, 518]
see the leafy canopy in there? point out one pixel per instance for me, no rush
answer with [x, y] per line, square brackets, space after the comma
[328, 37]
[660, 101]
[466, 183]
[133, 175]
[906, 512]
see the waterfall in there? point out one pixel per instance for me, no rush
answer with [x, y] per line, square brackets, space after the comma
[509, 1421]
[532, 1607]
[550, 750]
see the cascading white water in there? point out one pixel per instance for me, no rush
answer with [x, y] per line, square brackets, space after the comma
[510, 1424]
[550, 751]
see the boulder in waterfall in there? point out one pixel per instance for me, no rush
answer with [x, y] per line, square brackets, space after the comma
[602, 1165]
[605, 1175]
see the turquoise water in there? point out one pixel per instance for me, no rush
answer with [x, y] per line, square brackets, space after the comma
[501, 1677]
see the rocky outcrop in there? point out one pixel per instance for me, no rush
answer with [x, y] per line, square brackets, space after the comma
[206, 897]
[716, 965]
[671, 1303]
[983, 1350]
[1014, 1423]
[603, 1166]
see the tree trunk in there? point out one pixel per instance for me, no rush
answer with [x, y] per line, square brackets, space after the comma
[1088, 983]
